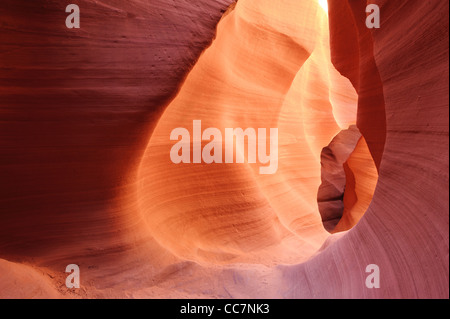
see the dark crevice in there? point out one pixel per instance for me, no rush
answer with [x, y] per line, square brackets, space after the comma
[330, 197]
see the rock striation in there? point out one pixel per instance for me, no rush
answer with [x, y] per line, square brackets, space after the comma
[362, 172]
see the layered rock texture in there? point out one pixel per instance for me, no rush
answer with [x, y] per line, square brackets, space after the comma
[362, 169]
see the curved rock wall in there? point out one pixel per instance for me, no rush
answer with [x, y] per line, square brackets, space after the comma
[405, 230]
[86, 177]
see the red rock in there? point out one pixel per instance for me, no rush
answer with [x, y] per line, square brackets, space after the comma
[330, 196]
[86, 179]
[405, 230]
[78, 105]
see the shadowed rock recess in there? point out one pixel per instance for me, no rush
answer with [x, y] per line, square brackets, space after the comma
[86, 176]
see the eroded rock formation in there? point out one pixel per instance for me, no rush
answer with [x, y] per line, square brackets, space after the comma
[86, 178]
[333, 175]
[230, 212]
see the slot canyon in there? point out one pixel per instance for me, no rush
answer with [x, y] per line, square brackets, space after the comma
[86, 176]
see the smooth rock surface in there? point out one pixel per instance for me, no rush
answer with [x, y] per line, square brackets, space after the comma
[86, 177]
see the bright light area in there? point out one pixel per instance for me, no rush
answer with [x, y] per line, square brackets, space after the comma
[324, 4]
